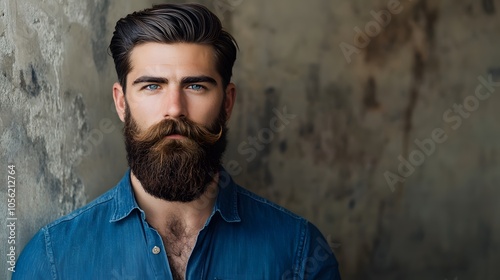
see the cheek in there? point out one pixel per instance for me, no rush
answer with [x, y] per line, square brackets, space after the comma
[205, 112]
[146, 114]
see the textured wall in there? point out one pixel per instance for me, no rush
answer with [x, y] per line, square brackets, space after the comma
[57, 124]
[376, 132]
[361, 102]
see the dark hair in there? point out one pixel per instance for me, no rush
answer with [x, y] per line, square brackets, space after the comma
[172, 23]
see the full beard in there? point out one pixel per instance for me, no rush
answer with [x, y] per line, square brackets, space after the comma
[175, 169]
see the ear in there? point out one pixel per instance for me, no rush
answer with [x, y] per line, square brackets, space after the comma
[230, 99]
[119, 98]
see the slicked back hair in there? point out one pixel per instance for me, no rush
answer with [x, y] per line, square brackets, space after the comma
[172, 23]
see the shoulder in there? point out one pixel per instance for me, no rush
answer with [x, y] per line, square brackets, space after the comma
[271, 218]
[35, 261]
[37, 258]
[313, 257]
[101, 205]
[249, 201]
[83, 217]
[251, 205]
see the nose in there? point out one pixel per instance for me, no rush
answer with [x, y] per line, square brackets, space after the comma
[175, 104]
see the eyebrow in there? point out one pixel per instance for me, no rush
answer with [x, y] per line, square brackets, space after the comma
[184, 81]
[198, 79]
[150, 79]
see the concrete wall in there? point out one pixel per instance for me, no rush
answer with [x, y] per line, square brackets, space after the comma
[359, 109]
[58, 126]
[328, 122]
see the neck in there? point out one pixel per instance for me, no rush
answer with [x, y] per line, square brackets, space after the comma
[161, 214]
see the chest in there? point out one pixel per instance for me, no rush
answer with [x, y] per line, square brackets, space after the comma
[178, 248]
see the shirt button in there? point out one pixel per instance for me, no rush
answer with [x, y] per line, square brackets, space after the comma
[156, 250]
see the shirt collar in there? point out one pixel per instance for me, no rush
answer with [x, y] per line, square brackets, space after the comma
[226, 203]
[227, 200]
[124, 199]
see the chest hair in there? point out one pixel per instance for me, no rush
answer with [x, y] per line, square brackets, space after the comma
[179, 245]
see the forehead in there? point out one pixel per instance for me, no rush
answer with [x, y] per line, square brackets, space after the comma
[175, 60]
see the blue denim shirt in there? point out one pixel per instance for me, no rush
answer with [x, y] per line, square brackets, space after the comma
[245, 237]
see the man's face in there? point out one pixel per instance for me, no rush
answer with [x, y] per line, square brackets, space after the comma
[174, 80]
[173, 110]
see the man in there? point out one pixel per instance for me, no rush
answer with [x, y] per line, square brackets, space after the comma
[176, 214]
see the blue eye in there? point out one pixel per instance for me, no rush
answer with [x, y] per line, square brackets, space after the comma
[152, 87]
[196, 87]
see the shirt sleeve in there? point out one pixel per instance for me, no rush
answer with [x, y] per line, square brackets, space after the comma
[34, 262]
[318, 260]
